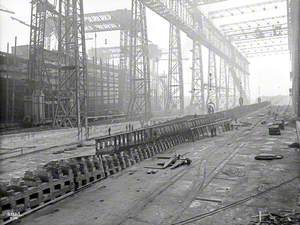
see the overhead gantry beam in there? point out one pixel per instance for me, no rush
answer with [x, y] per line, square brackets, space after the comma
[203, 2]
[259, 36]
[276, 23]
[247, 9]
[107, 21]
[140, 101]
[198, 28]
[67, 91]
[256, 36]
[257, 29]
[209, 36]
[117, 20]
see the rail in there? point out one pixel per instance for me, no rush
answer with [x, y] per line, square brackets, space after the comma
[59, 179]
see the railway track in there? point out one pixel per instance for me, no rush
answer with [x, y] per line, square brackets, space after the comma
[199, 165]
[64, 178]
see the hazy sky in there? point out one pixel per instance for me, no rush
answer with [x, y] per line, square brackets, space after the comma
[270, 73]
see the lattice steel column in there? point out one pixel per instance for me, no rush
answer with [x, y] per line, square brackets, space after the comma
[248, 88]
[124, 87]
[228, 92]
[71, 96]
[197, 98]
[212, 92]
[140, 104]
[233, 87]
[223, 89]
[241, 97]
[175, 98]
[37, 76]
[155, 84]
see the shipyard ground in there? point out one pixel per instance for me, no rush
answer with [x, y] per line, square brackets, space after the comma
[224, 184]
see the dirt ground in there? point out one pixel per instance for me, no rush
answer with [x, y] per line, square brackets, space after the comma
[223, 173]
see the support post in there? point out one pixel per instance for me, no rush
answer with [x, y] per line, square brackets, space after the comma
[71, 94]
[140, 104]
[197, 97]
[212, 95]
[175, 99]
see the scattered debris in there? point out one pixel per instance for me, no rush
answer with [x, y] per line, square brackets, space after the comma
[294, 145]
[274, 130]
[173, 162]
[181, 162]
[152, 171]
[209, 200]
[278, 218]
[265, 156]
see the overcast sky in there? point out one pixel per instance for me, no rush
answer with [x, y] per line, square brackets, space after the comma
[270, 73]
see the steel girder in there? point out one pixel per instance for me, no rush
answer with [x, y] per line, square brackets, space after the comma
[231, 89]
[263, 46]
[198, 92]
[68, 88]
[140, 104]
[71, 93]
[294, 45]
[175, 72]
[212, 87]
[209, 36]
[265, 28]
[256, 35]
[186, 20]
[252, 25]
[223, 88]
[124, 80]
[108, 21]
[246, 9]
[203, 2]
[259, 34]
[38, 77]
[163, 86]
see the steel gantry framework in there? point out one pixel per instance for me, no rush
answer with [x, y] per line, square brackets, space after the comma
[221, 89]
[262, 36]
[223, 86]
[117, 20]
[140, 104]
[187, 18]
[175, 99]
[71, 90]
[197, 89]
[38, 77]
[293, 13]
[212, 87]
[66, 84]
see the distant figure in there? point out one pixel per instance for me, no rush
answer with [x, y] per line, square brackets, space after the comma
[109, 130]
[126, 127]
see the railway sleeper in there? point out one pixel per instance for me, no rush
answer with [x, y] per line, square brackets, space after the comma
[59, 178]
